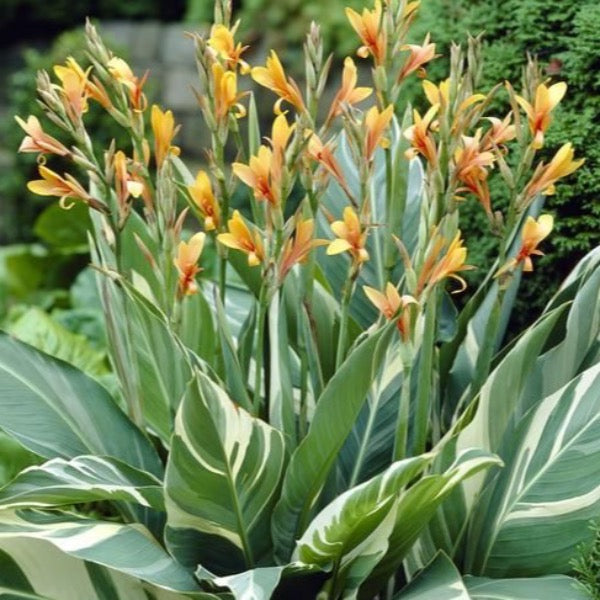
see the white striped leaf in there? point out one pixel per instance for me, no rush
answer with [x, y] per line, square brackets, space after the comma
[537, 510]
[310, 464]
[352, 531]
[416, 507]
[439, 580]
[55, 410]
[59, 482]
[222, 479]
[549, 587]
[129, 549]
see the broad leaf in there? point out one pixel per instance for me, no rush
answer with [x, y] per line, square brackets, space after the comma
[83, 479]
[55, 410]
[221, 482]
[548, 587]
[129, 549]
[336, 412]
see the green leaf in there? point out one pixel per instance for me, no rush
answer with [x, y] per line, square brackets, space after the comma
[337, 409]
[257, 583]
[37, 328]
[129, 549]
[82, 479]
[535, 512]
[64, 229]
[550, 586]
[56, 411]
[13, 458]
[439, 580]
[351, 533]
[417, 506]
[222, 479]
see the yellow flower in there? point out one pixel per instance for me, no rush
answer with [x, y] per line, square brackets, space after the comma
[437, 94]
[297, 248]
[163, 126]
[545, 176]
[186, 263]
[241, 238]
[37, 140]
[348, 94]
[125, 185]
[226, 94]
[531, 236]
[420, 137]
[418, 56]
[52, 184]
[500, 132]
[392, 305]
[376, 123]
[202, 195]
[439, 265]
[323, 154]
[350, 237]
[273, 77]
[546, 99]
[122, 73]
[369, 28]
[223, 44]
[257, 175]
[94, 90]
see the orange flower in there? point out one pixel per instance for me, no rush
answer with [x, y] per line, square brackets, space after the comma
[501, 131]
[350, 237]
[545, 176]
[323, 154]
[222, 43]
[546, 99]
[52, 184]
[257, 175]
[226, 94]
[348, 94]
[73, 89]
[122, 73]
[421, 138]
[125, 185]
[273, 76]
[418, 56]
[368, 26]
[186, 263]
[163, 126]
[37, 140]
[203, 197]
[391, 305]
[470, 168]
[438, 266]
[241, 238]
[93, 90]
[376, 123]
[533, 233]
[281, 132]
[297, 248]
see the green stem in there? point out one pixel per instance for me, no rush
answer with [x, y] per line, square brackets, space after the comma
[401, 437]
[343, 335]
[424, 388]
[259, 355]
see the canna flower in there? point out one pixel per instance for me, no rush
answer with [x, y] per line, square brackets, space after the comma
[437, 94]
[410, 8]
[37, 140]
[52, 184]
[121, 72]
[73, 90]
[545, 176]
[323, 154]
[533, 233]
[420, 137]
[350, 237]
[437, 267]
[368, 26]
[281, 132]
[501, 131]
[186, 263]
[546, 99]
[392, 305]
[376, 123]
[202, 195]
[241, 238]
[226, 94]
[163, 126]
[222, 43]
[273, 76]
[418, 56]
[258, 176]
[348, 94]
[94, 90]
[297, 249]
[125, 184]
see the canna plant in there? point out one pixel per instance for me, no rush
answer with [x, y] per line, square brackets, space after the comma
[301, 408]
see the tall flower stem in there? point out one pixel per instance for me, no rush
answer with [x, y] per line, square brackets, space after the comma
[259, 354]
[344, 315]
[401, 437]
